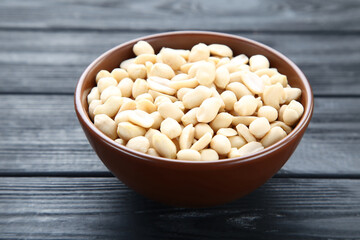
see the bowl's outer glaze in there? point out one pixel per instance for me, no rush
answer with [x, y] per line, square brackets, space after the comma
[184, 183]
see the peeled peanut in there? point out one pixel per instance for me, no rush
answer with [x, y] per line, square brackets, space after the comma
[106, 125]
[227, 132]
[208, 110]
[181, 93]
[188, 83]
[292, 94]
[125, 64]
[222, 120]
[190, 117]
[268, 112]
[141, 118]
[222, 77]
[195, 97]
[119, 74]
[186, 137]
[246, 120]
[142, 47]
[259, 127]
[102, 74]
[292, 113]
[220, 144]
[188, 154]
[139, 87]
[120, 141]
[152, 152]
[93, 95]
[202, 142]
[249, 148]
[143, 58]
[206, 76]
[180, 76]
[136, 71]
[161, 85]
[253, 82]
[237, 141]
[122, 116]
[229, 99]
[127, 131]
[105, 82]
[239, 89]
[257, 62]
[110, 107]
[92, 106]
[201, 129]
[163, 145]
[220, 50]
[246, 106]
[161, 99]
[245, 133]
[170, 128]
[240, 59]
[274, 135]
[172, 58]
[145, 105]
[209, 155]
[110, 91]
[234, 153]
[150, 133]
[170, 110]
[266, 71]
[199, 52]
[273, 95]
[157, 119]
[127, 104]
[125, 86]
[146, 96]
[140, 144]
[279, 78]
[156, 94]
[285, 127]
[161, 70]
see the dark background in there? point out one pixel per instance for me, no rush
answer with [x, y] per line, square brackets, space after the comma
[53, 186]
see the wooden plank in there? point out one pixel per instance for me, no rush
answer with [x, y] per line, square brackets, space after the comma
[103, 208]
[229, 15]
[53, 61]
[40, 133]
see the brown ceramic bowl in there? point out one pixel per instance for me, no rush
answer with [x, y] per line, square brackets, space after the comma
[186, 183]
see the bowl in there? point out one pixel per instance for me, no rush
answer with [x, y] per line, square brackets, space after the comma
[187, 183]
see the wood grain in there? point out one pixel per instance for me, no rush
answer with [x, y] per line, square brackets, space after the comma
[40, 134]
[103, 208]
[160, 15]
[52, 62]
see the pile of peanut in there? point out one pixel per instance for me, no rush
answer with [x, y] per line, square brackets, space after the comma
[201, 104]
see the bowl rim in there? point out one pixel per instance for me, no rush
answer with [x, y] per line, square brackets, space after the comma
[301, 125]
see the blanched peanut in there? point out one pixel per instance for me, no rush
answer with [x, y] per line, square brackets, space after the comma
[146, 96]
[281, 112]
[259, 127]
[141, 118]
[202, 142]
[110, 91]
[92, 106]
[142, 47]
[127, 104]
[186, 67]
[180, 105]
[209, 155]
[205, 77]
[110, 107]
[201, 129]
[240, 59]
[279, 78]
[187, 137]
[253, 82]
[125, 86]
[268, 112]
[157, 119]
[190, 117]
[227, 132]
[170, 110]
[195, 97]
[153, 152]
[229, 99]
[274, 135]
[199, 52]
[246, 120]
[245, 133]
[188, 154]
[222, 77]
[222, 120]
[266, 71]
[156, 94]
[239, 89]
[127, 131]
[139, 87]
[120, 141]
[170, 128]
[246, 106]
[273, 95]
[257, 62]
[188, 83]
[285, 127]
[140, 144]
[119, 74]
[234, 153]
[249, 148]
[148, 66]
[161, 70]
[93, 95]
[181, 93]
[143, 58]
[223, 61]
[161, 85]
[220, 144]
[161, 99]
[292, 94]
[208, 110]
[106, 82]
[163, 145]
[292, 112]
[136, 71]
[145, 105]
[295, 105]
[214, 60]
[150, 133]
[180, 76]
[220, 50]
[237, 141]
[172, 58]
[202, 66]
[102, 74]
[125, 64]
[259, 103]
[106, 125]
[122, 116]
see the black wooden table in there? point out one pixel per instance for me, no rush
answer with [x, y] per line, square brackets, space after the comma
[53, 186]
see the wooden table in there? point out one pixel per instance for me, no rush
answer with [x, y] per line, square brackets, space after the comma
[53, 186]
